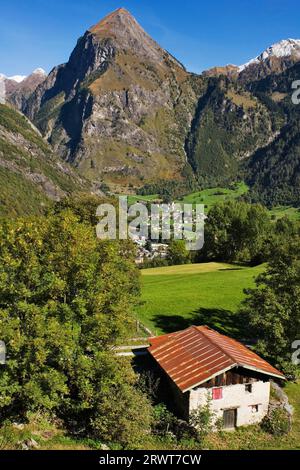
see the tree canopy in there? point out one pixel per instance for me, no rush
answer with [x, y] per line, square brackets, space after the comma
[65, 300]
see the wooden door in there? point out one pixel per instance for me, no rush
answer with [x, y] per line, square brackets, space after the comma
[229, 418]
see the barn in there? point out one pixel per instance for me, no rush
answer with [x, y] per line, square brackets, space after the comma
[201, 364]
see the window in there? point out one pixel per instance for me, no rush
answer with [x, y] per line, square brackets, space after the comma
[219, 380]
[255, 408]
[217, 393]
[248, 388]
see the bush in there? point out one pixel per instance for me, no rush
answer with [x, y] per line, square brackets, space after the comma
[167, 425]
[291, 371]
[202, 420]
[277, 422]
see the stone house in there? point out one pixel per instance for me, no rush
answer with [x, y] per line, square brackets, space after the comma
[201, 364]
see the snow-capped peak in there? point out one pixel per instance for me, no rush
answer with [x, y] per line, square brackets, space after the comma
[21, 78]
[39, 71]
[284, 48]
[17, 78]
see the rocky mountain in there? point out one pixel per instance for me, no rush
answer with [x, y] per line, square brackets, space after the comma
[124, 111]
[9, 82]
[231, 71]
[30, 174]
[19, 89]
[120, 108]
[276, 59]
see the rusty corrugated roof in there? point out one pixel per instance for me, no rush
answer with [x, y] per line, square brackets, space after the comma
[197, 354]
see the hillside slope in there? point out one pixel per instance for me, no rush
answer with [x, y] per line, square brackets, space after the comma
[30, 175]
[273, 172]
[230, 125]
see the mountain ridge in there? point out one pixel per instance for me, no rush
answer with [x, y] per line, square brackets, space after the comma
[125, 112]
[276, 58]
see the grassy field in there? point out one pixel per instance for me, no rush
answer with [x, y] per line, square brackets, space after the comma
[292, 213]
[210, 197]
[132, 199]
[176, 297]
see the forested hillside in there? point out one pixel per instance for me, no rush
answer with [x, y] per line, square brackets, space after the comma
[30, 174]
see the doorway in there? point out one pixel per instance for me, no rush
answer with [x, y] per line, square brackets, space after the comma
[230, 418]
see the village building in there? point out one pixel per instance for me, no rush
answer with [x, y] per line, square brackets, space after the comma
[204, 366]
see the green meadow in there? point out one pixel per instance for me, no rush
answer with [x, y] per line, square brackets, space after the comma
[173, 298]
[210, 197]
[292, 213]
[132, 199]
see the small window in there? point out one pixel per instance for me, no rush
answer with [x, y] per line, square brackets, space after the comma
[255, 408]
[219, 380]
[217, 393]
[248, 388]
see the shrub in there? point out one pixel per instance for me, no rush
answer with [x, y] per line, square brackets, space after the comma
[291, 371]
[202, 420]
[194, 431]
[277, 422]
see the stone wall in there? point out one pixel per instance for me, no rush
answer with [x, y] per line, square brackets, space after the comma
[236, 396]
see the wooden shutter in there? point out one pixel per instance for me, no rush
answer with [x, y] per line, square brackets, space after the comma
[217, 393]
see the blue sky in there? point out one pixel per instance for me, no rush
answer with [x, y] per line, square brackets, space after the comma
[201, 34]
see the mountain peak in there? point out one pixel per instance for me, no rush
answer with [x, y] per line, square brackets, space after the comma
[109, 24]
[39, 71]
[127, 34]
[17, 78]
[284, 48]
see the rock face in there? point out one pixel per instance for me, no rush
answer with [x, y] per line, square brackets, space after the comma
[230, 124]
[273, 172]
[120, 109]
[17, 95]
[16, 90]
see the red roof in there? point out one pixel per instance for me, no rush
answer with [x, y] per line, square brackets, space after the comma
[196, 355]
